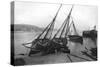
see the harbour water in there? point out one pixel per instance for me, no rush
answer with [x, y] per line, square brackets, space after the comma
[26, 37]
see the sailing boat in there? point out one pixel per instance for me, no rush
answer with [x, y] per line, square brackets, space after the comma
[75, 37]
[60, 39]
[41, 42]
[45, 44]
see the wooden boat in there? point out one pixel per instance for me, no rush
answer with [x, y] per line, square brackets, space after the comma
[46, 45]
[60, 36]
[65, 31]
[41, 43]
[75, 37]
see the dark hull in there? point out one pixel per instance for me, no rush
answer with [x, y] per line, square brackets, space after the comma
[54, 47]
[76, 38]
[39, 46]
[62, 42]
[33, 52]
[50, 48]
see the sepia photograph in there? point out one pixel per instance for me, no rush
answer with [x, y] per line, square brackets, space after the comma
[50, 33]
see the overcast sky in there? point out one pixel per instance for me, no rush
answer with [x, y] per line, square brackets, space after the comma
[41, 14]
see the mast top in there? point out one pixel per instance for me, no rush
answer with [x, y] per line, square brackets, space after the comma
[58, 10]
[71, 10]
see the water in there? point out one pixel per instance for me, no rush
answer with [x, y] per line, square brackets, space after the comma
[25, 37]
[20, 38]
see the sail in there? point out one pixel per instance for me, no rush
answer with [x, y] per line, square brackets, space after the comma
[72, 29]
[61, 33]
[69, 31]
[73, 34]
[45, 36]
[47, 33]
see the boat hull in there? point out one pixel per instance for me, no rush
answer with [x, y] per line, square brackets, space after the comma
[76, 38]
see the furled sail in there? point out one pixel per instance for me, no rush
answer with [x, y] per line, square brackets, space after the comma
[59, 40]
[42, 40]
[74, 36]
[68, 30]
[47, 32]
[61, 33]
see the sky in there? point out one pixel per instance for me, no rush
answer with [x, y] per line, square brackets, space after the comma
[41, 14]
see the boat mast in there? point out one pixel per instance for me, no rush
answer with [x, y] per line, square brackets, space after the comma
[52, 24]
[63, 25]
[58, 30]
[67, 22]
[48, 27]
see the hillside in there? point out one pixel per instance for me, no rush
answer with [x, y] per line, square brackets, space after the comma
[25, 28]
